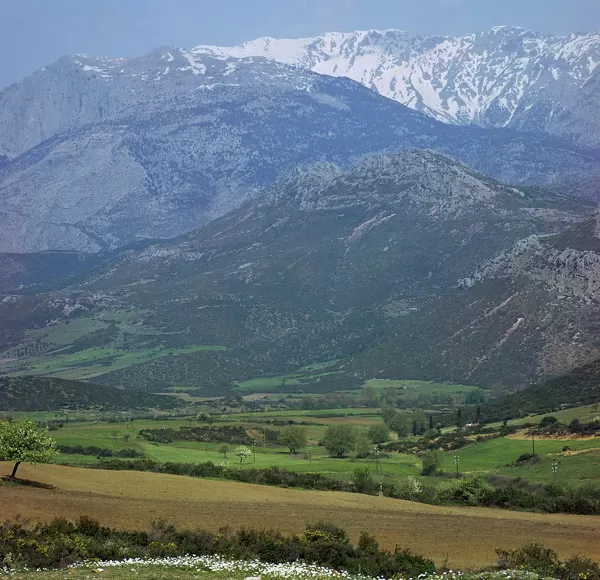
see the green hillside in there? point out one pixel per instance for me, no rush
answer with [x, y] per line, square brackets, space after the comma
[26, 393]
[579, 387]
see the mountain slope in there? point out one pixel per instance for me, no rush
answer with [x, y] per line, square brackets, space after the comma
[19, 270]
[326, 264]
[50, 394]
[534, 307]
[130, 149]
[502, 77]
[578, 387]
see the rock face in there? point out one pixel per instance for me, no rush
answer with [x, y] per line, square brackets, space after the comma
[99, 153]
[366, 265]
[502, 77]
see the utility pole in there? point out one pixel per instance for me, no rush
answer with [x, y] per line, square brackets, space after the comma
[457, 463]
[554, 467]
[254, 449]
[532, 441]
[309, 447]
[378, 467]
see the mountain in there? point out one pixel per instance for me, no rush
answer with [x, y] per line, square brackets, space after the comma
[502, 77]
[99, 153]
[529, 312]
[52, 394]
[19, 270]
[364, 266]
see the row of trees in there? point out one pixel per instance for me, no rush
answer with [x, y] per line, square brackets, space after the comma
[391, 397]
[339, 440]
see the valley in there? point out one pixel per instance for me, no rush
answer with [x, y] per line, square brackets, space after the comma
[302, 308]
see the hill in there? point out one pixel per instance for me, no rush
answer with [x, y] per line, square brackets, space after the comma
[25, 393]
[118, 151]
[579, 387]
[18, 270]
[374, 267]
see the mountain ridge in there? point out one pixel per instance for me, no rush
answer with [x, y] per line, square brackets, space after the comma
[362, 266]
[504, 76]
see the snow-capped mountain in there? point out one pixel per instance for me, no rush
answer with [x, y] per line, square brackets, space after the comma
[502, 77]
[96, 153]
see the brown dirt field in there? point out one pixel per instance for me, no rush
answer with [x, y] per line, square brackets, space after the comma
[522, 434]
[575, 452]
[466, 537]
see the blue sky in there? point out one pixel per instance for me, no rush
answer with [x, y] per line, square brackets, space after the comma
[34, 33]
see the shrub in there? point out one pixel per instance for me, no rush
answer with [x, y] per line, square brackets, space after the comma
[363, 480]
[61, 543]
[469, 491]
[547, 421]
[534, 557]
[527, 458]
[544, 561]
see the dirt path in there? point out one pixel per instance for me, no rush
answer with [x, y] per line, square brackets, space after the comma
[465, 537]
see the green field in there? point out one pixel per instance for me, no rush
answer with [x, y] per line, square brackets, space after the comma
[494, 457]
[269, 384]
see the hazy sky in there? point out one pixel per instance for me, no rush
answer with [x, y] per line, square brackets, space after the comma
[34, 33]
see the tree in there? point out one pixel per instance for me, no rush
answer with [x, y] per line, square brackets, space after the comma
[339, 440]
[224, 448]
[432, 461]
[368, 396]
[294, 437]
[497, 390]
[25, 442]
[378, 433]
[390, 396]
[401, 423]
[363, 445]
[475, 397]
[242, 452]
[459, 421]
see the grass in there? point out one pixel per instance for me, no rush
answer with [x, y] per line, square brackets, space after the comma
[269, 384]
[92, 362]
[410, 389]
[495, 457]
[585, 414]
[489, 457]
[131, 500]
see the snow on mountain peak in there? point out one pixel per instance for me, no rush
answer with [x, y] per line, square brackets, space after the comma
[495, 77]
